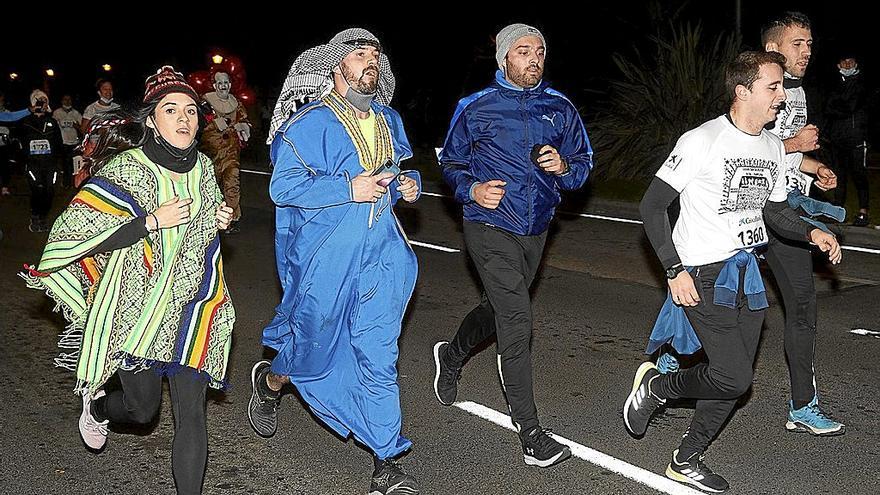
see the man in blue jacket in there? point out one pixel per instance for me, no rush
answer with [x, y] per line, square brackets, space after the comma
[510, 149]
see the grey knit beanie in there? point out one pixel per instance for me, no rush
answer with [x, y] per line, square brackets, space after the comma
[507, 36]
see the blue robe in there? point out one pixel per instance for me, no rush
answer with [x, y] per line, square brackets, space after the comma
[347, 272]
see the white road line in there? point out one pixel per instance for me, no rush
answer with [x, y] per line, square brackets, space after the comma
[602, 217]
[605, 461]
[588, 215]
[639, 222]
[434, 246]
[865, 332]
[257, 172]
[585, 215]
[860, 281]
[860, 249]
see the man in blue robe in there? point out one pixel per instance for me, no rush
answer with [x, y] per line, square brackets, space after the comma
[346, 267]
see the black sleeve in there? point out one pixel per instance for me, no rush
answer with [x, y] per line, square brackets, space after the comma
[653, 209]
[785, 222]
[127, 235]
[57, 144]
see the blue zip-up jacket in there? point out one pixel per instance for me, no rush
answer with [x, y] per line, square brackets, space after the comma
[491, 137]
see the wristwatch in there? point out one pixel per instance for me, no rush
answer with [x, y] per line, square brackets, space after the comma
[674, 270]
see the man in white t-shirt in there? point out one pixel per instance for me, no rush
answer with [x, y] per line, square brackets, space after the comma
[69, 119]
[729, 177]
[792, 262]
[104, 103]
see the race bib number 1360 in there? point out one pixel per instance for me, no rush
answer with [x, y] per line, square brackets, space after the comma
[749, 229]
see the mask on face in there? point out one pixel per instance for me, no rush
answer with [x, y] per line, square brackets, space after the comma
[849, 72]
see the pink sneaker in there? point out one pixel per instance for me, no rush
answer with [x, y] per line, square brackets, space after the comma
[92, 431]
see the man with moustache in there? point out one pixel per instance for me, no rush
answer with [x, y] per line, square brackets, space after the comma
[792, 262]
[345, 265]
[511, 148]
[729, 177]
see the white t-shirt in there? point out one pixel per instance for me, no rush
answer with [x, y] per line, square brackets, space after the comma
[725, 176]
[96, 108]
[789, 120]
[69, 122]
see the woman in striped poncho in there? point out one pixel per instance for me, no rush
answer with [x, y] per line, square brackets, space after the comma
[134, 263]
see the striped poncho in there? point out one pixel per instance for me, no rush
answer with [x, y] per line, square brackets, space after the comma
[161, 302]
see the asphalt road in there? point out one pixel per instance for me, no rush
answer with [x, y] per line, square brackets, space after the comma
[594, 303]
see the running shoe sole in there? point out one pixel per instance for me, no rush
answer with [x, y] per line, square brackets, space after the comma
[676, 476]
[563, 454]
[798, 427]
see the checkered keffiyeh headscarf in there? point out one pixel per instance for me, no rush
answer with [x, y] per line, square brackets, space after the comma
[310, 75]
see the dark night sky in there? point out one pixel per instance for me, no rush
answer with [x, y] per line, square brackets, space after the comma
[433, 53]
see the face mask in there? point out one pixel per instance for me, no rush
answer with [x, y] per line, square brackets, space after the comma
[360, 101]
[106, 101]
[849, 72]
[66, 107]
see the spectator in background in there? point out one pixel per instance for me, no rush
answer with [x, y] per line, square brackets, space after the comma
[5, 142]
[69, 119]
[103, 104]
[41, 140]
[846, 114]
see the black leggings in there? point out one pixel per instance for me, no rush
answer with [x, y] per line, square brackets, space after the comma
[138, 403]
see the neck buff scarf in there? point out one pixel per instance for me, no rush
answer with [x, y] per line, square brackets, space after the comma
[163, 153]
[311, 76]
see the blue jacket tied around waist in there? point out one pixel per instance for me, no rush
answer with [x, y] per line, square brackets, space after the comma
[672, 325]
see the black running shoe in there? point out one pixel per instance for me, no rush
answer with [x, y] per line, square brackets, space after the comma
[641, 403]
[445, 378]
[693, 472]
[540, 449]
[263, 406]
[389, 479]
[861, 220]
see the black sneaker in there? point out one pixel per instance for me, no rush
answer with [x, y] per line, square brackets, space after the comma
[693, 472]
[389, 479]
[263, 406]
[641, 403]
[445, 378]
[540, 449]
[861, 220]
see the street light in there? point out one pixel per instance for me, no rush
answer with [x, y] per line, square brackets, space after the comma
[50, 72]
[107, 67]
[217, 58]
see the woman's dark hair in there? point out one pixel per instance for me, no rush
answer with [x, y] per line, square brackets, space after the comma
[113, 132]
[125, 128]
